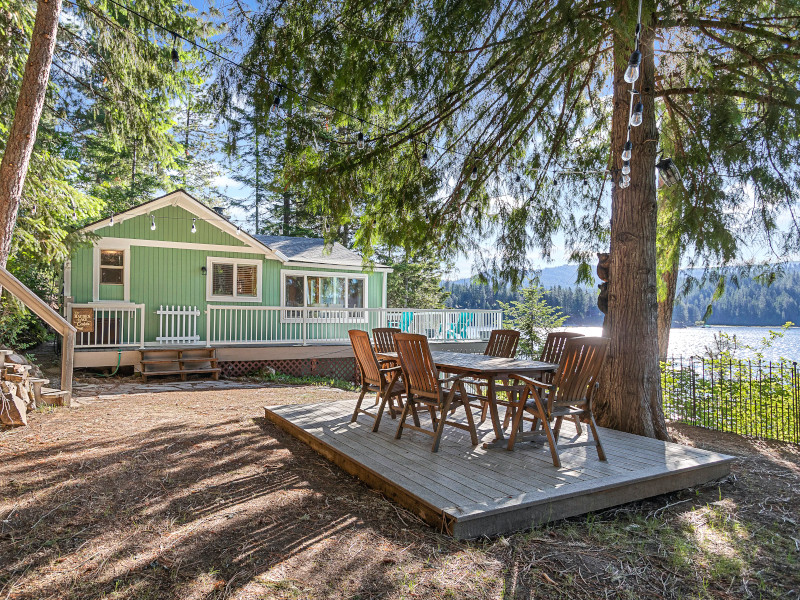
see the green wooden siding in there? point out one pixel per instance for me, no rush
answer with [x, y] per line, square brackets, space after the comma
[172, 276]
[173, 224]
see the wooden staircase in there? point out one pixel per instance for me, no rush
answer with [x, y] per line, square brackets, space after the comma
[179, 361]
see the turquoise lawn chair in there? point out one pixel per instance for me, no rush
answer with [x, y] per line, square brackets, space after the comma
[458, 330]
[405, 321]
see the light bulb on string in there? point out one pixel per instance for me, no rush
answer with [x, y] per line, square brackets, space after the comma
[194, 226]
[360, 143]
[624, 182]
[474, 175]
[632, 72]
[276, 104]
[636, 117]
[425, 155]
[626, 167]
[627, 151]
[152, 222]
[111, 220]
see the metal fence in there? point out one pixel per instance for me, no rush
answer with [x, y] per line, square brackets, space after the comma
[747, 397]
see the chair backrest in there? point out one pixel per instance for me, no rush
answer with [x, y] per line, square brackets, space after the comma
[383, 338]
[553, 348]
[365, 357]
[554, 345]
[502, 343]
[579, 368]
[419, 371]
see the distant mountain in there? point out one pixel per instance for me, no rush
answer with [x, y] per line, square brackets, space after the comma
[559, 276]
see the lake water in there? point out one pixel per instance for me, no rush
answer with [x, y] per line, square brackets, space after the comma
[694, 341]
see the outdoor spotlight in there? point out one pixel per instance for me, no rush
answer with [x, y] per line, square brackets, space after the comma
[636, 117]
[632, 72]
[628, 151]
[668, 171]
[203, 270]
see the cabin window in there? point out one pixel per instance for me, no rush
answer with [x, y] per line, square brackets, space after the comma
[324, 290]
[232, 279]
[112, 267]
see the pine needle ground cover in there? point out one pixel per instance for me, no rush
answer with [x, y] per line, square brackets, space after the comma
[142, 492]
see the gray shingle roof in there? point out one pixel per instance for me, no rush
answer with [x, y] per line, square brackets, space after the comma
[311, 250]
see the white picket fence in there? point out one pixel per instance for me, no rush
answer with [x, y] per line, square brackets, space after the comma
[177, 325]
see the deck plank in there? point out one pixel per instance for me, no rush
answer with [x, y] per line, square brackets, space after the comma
[469, 491]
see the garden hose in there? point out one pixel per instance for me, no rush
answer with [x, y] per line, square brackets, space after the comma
[114, 372]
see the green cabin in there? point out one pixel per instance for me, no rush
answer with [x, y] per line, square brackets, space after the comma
[173, 271]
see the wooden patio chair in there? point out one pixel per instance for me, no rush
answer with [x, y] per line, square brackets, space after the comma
[383, 380]
[568, 394]
[551, 353]
[502, 344]
[383, 338]
[425, 388]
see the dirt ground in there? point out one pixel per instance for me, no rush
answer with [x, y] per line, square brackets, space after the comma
[183, 491]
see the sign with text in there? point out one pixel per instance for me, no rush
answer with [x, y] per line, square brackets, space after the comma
[83, 319]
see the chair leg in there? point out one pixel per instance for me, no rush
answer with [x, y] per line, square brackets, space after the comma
[601, 454]
[384, 399]
[415, 414]
[485, 411]
[440, 427]
[358, 404]
[516, 421]
[409, 404]
[557, 428]
[550, 438]
[470, 421]
[578, 427]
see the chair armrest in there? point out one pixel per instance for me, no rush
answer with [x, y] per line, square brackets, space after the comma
[391, 369]
[453, 379]
[530, 382]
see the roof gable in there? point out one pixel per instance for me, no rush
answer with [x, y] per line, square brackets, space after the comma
[313, 251]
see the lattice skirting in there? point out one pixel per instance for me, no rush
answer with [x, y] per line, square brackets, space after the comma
[339, 368]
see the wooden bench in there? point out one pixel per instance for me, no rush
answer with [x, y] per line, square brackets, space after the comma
[179, 361]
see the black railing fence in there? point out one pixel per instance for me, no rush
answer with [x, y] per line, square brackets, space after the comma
[748, 397]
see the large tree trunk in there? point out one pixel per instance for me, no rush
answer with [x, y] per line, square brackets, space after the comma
[22, 135]
[630, 398]
[666, 305]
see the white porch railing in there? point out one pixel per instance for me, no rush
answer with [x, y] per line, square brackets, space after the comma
[177, 325]
[114, 325]
[278, 325]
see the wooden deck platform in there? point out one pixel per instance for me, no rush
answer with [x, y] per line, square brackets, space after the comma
[468, 492]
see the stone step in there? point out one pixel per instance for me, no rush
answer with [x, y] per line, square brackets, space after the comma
[55, 397]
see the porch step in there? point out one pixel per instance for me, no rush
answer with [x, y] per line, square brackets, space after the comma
[183, 362]
[54, 397]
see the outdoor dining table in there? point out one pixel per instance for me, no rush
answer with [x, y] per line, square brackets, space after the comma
[488, 368]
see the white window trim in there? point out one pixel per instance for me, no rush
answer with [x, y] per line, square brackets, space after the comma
[287, 316]
[126, 272]
[210, 297]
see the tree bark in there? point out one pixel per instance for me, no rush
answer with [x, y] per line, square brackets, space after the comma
[667, 304]
[630, 395]
[22, 135]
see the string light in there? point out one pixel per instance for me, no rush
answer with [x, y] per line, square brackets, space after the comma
[624, 182]
[636, 116]
[626, 167]
[628, 151]
[111, 220]
[276, 103]
[194, 226]
[474, 175]
[152, 222]
[425, 155]
[632, 72]
[360, 143]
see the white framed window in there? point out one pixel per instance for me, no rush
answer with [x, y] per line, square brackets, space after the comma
[233, 279]
[112, 267]
[309, 289]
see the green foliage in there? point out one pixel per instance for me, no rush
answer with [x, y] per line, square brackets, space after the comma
[20, 329]
[416, 282]
[521, 89]
[533, 318]
[723, 392]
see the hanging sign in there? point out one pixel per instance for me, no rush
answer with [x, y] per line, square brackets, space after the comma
[83, 319]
